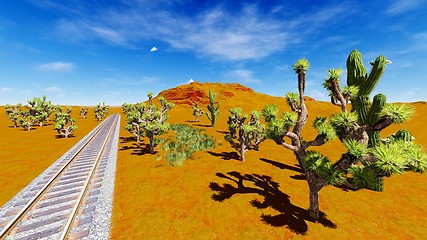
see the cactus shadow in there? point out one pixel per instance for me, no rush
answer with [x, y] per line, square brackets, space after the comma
[289, 215]
[226, 155]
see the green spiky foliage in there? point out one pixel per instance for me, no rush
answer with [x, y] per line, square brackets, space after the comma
[101, 110]
[186, 141]
[14, 112]
[36, 110]
[248, 135]
[148, 120]
[134, 114]
[214, 112]
[364, 164]
[197, 111]
[64, 123]
[83, 112]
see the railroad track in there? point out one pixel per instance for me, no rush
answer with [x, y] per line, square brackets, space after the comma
[55, 205]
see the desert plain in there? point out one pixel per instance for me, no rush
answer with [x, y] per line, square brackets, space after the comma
[201, 199]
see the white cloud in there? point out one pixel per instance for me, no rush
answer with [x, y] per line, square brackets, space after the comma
[318, 95]
[56, 67]
[243, 75]
[6, 90]
[401, 6]
[218, 33]
[53, 90]
[154, 49]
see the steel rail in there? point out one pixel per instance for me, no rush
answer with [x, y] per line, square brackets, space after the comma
[70, 221]
[12, 223]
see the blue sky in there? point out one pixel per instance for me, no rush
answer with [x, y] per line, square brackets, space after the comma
[82, 52]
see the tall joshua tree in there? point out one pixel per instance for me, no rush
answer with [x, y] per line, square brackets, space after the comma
[134, 114]
[149, 121]
[361, 164]
[213, 111]
[197, 111]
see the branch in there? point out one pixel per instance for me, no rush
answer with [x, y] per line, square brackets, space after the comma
[345, 162]
[318, 141]
[380, 125]
[336, 91]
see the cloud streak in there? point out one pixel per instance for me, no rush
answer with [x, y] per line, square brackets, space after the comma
[56, 67]
[244, 33]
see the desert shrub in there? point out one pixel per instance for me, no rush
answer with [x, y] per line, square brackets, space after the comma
[186, 141]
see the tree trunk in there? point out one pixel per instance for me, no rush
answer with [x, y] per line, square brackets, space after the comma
[151, 144]
[314, 203]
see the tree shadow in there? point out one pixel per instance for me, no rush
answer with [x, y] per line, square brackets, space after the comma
[127, 139]
[226, 155]
[296, 168]
[222, 132]
[202, 125]
[290, 216]
[138, 149]
[58, 136]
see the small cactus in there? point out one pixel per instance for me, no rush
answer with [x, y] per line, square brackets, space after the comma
[213, 111]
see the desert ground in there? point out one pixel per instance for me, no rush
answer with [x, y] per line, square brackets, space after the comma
[201, 199]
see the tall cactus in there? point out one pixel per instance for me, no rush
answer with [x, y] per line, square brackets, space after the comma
[213, 111]
[357, 76]
[368, 112]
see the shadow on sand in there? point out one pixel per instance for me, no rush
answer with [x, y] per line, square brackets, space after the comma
[296, 168]
[291, 216]
[137, 148]
[226, 155]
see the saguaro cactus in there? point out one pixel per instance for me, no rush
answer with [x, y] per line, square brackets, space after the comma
[361, 104]
[213, 111]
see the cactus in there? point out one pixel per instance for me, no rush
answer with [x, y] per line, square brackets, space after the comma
[404, 135]
[373, 116]
[213, 111]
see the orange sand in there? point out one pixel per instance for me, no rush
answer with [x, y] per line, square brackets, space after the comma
[155, 201]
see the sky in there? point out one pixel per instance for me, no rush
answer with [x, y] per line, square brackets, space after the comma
[84, 52]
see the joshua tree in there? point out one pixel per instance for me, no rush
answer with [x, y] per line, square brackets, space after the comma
[148, 120]
[250, 135]
[359, 166]
[83, 112]
[40, 109]
[100, 111]
[197, 112]
[213, 111]
[13, 112]
[64, 123]
[134, 119]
